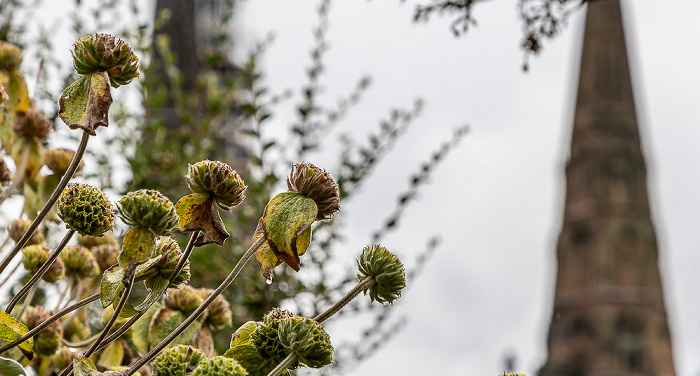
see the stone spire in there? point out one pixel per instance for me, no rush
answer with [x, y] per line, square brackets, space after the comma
[609, 316]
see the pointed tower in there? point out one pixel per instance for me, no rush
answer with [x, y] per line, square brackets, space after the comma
[609, 315]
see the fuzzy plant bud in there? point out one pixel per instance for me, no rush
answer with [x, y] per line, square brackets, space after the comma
[177, 361]
[307, 339]
[265, 337]
[106, 255]
[47, 341]
[59, 159]
[80, 262]
[317, 185]
[148, 209]
[385, 269]
[103, 52]
[85, 209]
[32, 124]
[10, 56]
[218, 312]
[5, 174]
[219, 366]
[185, 300]
[218, 179]
[19, 226]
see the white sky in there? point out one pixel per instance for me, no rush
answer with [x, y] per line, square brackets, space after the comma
[497, 200]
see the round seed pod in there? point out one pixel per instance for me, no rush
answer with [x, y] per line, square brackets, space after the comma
[55, 272]
[219, 366]
[387, 271]
[59, 159]
[317, 185]
[170, 256]
[218, 312]
[32, 124]
[103, 52]
[10, 56]
[64, 357]
[218, 179]
[265, 337]
[5, 174]
[80, 262]
[47, 341]
[177, 361]
[106, 255]
[149, 209]
[307, 339]
[185, 300]
[85, 209]
[34, 256]
[17, 229]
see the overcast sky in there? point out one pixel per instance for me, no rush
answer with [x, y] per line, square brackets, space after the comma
[497, 200]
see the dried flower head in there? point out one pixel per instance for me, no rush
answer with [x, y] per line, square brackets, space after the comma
[316, 184]
[149, 209]
[17, 229]
[387, 271]
[85, 209]
[55, 272]
[80, 262]
[10, 56]
[219, 311]
[219, 179]
[64, 357]
[106, 255]
[47, 341]
[59, 159]
[88, 241]
[219, 366]
[34, 257]
[170, 256]
[307, 339]
[177, 361]
[32, 124]
[103, 52]
[185, 300]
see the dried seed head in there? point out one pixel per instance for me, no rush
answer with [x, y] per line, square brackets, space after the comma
[88, 241]
[10, 56]
[387, 271]
[185, 300]
[32, 124]
[103, 52]
[219, 311]
[219, 366]
[5, 174]
[80, 262]
[58, 161]
[219, 179]
[177, 361]
[265, 337]
[307, 339]
[34, 256]
[55, 272]
[106, 255]
[64, 357]
[85, 209]
[47, 341]
[149, 209]
[17, 229]
[170, 256]
[316, 184]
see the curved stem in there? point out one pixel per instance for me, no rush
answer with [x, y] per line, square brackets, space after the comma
[35, 278]
[128, 282]
[50, 202]
[20, 173]
[50, 321]
[194, 315]
[360, 287]
[184, 257]
[286, 363]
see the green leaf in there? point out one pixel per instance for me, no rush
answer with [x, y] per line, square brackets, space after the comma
[165, 321]
[111, 356]
[141, 328]
[11, 329]
[9, 367]
[85, 103]
[198, 212]
[111, 283]
[137, 246]
[83, 367]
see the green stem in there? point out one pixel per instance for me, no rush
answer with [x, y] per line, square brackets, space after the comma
[50, 321]
[20, 174]
[184, 257]
[360, 287]
[35, 278]
[286, 363]
[50, 202]
[194, 315]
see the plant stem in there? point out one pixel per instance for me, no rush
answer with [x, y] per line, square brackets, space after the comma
[35, 278]
[9, 275]
[183, 258]
[27, 301]
[194, 315]
[50, 321]
[286, 363]
[128, 282]
[20, 174]
[360, 287]
[50, 202]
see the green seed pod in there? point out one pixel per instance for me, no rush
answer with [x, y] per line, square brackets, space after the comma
[58, 161]
[219, 179]
[85, 209]
[5, 174]
[47, 341]
[106, 255]
[170, 256]
[10, 56]
[64, 357]
[17, 229]
[103, 52]
[219, 311]
[177, 361]
[55, 272]
[219, 366]
[32, 124]
[265, 337]
[185, 300]
[317, 185]
[149, 209]
[34, 256]
[387, 271]
[93, 241]
[307, 339]
[80, 262]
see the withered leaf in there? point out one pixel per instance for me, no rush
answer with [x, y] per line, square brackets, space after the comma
[85, 103]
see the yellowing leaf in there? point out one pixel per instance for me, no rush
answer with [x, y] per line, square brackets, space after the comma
[11, 329]
[83, 367]
[85, 103]
[286, 223]
[137, 246]
[36, 154]
[111, 356]
[18, 94]
[198, 212]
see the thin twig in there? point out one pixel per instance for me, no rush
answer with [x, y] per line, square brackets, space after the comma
[20, 174]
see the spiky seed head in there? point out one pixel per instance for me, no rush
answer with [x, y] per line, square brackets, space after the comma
[185, 300]
[177, 361]
[59, 159]
[80, 262]
[32, 124]
[170, 256]
[85, 209]
[219, 366]
[219, 179]
[103, 52]
[316, 184]
[307, 339]
[149, 209]
[19, 226]
[387, 271]
[265, 337]
[10, 56]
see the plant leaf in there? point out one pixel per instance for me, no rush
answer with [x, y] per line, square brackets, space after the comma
[83, 367]
[286, 223]
[11, 329]
[17, 92]
[111, 282]
[197, 212]
[85, 103]
[9, 367]
[243, 350]
[111, 356]
[165, 321]
[141, 328]
[137, 246]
